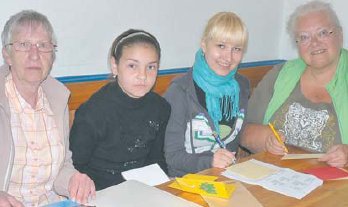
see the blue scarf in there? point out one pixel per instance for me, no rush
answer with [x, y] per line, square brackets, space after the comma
[219, 90]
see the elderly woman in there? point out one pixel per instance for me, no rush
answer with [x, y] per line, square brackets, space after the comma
[35, 166]
[209, 102]
[306, 98]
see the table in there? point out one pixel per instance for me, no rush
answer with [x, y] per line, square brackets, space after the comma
[331, 193]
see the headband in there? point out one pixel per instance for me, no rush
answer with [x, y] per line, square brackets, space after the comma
[131, 35]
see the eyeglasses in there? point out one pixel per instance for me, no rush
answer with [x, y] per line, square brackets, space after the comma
[305, 38]
[26, 46]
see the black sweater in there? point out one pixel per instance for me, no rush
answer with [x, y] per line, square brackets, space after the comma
[113, 132]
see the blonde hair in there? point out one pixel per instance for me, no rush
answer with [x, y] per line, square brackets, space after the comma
[226, 26]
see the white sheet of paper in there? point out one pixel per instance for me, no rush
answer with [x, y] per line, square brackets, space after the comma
[132, 193]
[301, 156]
[285, 181]
[150, 175]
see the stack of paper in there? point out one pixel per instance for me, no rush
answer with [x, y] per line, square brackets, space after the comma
[271, 177]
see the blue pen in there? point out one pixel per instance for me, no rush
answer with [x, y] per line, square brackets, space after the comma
[222, 144]
[219, 141]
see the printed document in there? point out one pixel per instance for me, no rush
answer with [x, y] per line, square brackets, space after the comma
[282, 180]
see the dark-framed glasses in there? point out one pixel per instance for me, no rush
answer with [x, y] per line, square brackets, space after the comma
[304, 38]
[26, 46]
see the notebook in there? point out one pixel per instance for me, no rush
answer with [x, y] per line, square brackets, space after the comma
[328, 173]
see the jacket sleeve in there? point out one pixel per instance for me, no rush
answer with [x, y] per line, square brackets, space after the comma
[61, 183]
[156, 154]
[177, 158]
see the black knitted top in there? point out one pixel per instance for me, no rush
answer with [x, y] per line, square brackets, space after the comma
[113, 132]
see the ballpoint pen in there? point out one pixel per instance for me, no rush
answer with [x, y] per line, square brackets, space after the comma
[222, 144]
[278, 137]
[219, 141]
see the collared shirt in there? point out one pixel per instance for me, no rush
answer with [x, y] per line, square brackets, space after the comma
[39, 149]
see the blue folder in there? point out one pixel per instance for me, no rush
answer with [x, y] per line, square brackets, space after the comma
[66, 203]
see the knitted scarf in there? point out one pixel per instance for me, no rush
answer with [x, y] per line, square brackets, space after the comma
[221, 92]
[291, 73]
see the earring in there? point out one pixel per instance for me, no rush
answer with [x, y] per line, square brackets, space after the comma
[113, 75]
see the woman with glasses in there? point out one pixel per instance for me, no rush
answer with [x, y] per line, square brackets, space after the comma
[306, 98]
[35, 166]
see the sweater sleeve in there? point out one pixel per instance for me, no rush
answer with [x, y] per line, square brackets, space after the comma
[156, 154]
[179, 161]
[84, 135]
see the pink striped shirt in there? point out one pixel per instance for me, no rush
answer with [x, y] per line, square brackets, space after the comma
[39, 149]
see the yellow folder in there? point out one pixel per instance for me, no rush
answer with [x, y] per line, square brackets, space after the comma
[203, 185]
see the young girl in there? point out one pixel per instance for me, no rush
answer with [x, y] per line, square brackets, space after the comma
[209, 102]
[122, 126]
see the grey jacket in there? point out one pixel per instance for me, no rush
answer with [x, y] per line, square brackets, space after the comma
[58, 96]
[183, 153]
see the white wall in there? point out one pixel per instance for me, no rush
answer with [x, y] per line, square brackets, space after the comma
[286, 49]
[86, 28]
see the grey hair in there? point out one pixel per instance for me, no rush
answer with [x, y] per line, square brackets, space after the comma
[23, 18]
[312, 6]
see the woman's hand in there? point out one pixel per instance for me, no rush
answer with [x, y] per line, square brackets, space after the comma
[223, 158]
[81, 187]
[6, 200]
[272, 145]
[336, 156]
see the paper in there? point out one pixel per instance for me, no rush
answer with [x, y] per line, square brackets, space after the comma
[150, 175]
[285, 181]
[251, 170]
[241, 197]
[301, 156]
[328, 173]
[132, 193]
[203, 185]
[65, 203]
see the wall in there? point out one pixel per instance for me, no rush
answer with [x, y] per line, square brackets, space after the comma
[86, 28]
